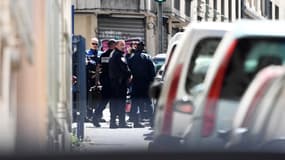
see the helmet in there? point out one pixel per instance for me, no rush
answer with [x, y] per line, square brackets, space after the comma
[141, 45]
[111, 42]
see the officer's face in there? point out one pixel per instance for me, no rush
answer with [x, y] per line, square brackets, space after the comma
[94, 45]
[121, 46]
[134, 46]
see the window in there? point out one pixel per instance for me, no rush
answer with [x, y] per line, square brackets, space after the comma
[215, 10]
[177, 4]
[262, 6]
[230, 10]
[200, 61]
[276, 12]
[250, 56]
[207, 10]
[237, 9]
[188, 8]
[270, 10]
[266, 8]
[222, 10]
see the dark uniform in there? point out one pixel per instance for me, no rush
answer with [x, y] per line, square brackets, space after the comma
[92, 62]
[119, 74]
[105, 82]
[143, 71]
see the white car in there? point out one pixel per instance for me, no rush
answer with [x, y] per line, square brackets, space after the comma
[159, 60]
[253, 112]
[192, 55]
[170, 49]
[246, 49]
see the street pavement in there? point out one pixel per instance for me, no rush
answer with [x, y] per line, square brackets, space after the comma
[104, 139]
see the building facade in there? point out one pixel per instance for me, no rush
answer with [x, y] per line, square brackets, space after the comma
[35, 76]
[124, 19]
[232, 10]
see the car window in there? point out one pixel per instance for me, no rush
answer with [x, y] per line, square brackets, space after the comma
[264, 49]
[199, 63]
[249, 57]
[159, 61]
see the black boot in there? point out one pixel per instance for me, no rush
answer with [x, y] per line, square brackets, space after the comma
[113, 126]
[138, 125]
[124, 126]
[96, 122]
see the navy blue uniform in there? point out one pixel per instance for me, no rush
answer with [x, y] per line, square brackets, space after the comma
[143, 71]
[105, 82]
[92, 62]
[119, 75]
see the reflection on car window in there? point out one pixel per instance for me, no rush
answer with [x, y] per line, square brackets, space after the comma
[158, 61]
[264, 49]
[200, 61]
[250, 56]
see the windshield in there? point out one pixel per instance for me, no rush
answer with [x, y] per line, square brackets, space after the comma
[200, 62]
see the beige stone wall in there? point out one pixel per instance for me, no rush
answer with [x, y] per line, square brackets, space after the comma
[24, 100]
[85, 25]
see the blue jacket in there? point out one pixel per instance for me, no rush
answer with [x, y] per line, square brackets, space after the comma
[142, 69]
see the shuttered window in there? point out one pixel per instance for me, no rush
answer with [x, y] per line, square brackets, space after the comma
[120, 28]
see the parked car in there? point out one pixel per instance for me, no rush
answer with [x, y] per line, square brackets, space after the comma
[159, 78]
[173, 113]
[170, 49]
[159, 60]
[253, 128]
[245, 50]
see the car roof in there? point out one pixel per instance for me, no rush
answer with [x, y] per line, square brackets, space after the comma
[258, 28]
[209, 26]
[175, 38]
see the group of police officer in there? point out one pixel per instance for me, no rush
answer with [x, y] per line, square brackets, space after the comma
[111, 75]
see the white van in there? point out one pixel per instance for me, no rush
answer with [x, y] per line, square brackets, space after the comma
[245, 50]
[193, 54]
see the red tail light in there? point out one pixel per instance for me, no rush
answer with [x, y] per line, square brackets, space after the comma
[166, 126]
[184, 108]
[214, 93]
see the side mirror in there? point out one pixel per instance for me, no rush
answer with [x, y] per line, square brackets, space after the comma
[155, 89]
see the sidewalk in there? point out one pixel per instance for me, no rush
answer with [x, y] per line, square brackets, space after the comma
[104, 139]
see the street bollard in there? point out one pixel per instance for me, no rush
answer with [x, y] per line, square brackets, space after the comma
[79, 69]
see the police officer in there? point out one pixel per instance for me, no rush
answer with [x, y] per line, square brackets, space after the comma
[120, 76]
[92, 61]
[143, 71]
[105, 82]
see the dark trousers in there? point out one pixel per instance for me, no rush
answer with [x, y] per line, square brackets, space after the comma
[105, 99]
[118, 102]
[117, 107]
[141, 103]
[141, 106]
